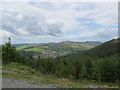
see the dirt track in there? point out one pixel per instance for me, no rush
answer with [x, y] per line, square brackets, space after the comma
[12, 83]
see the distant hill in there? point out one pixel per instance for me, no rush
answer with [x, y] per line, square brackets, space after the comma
[54, 49]
[108, 48]
[20, 45]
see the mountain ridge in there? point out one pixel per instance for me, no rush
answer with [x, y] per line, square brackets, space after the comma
[55, 49]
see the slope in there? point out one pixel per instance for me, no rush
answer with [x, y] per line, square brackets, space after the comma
[108, 48]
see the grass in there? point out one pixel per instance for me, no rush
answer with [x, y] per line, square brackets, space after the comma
[39, 50]
[22, 47]
[18, 71]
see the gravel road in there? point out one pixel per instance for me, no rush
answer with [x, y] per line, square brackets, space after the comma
[12, 83]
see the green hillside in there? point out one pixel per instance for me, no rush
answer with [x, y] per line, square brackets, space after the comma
[106, 49]
[55, 49]
[102, 62]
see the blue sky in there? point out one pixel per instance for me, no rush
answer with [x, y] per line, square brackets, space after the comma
[40, 22]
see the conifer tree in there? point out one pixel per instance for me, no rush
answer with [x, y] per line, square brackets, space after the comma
[9, 53]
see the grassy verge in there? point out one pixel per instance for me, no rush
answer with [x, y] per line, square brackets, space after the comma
[18, 71]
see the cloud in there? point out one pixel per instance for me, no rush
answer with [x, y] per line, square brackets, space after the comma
[4, 35]
[50, 21]
[106, 14]
[32, 22]
[102, 34]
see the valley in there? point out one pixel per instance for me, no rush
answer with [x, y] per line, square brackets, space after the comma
[53, 50]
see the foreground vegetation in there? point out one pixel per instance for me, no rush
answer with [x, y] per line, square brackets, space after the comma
[25, 73]
[78, 67]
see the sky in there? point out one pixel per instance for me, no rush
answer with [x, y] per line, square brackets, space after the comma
[43, 22]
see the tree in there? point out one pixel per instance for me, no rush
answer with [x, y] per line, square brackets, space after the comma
[109, 69]
[9, 53]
